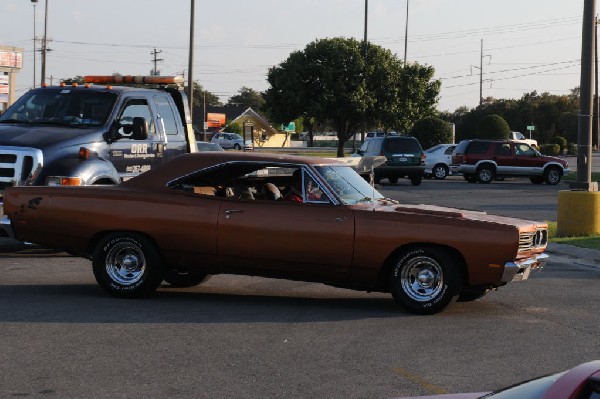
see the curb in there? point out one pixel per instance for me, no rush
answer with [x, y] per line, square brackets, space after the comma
[592, 255]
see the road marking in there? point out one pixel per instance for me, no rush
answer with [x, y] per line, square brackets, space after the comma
[419, 381]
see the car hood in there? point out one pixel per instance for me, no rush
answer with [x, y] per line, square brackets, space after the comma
[440, 211]
[43, 136]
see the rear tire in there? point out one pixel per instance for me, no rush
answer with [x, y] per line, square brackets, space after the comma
[127, 265]
[485, 174]
[537, 180]
[415, 180]
[425, 280]
[393, 180]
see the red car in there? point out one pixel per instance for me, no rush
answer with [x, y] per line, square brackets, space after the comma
[226, 212]
[580, 382]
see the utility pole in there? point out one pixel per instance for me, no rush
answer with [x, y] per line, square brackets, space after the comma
[191, 61]
[45, 45]
[406, 34]
[155, 60]
[584, 148]
[595, 122]
[34, 2]
[480, 67]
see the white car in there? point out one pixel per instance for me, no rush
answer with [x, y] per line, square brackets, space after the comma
[438, 160]
[518, 136]
[231, 141]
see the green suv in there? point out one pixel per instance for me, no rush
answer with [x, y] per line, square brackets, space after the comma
[405, 158]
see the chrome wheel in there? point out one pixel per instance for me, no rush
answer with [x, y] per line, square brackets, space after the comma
[485, 175]
[422, 279]
[125, 263]
[553, 176]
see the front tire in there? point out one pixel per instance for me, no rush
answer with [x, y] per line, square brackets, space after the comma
[127, 265]
[440, 171]
[236, 146]
[552, 176]
[425, 280]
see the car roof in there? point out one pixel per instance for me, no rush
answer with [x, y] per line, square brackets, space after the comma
[188, 163]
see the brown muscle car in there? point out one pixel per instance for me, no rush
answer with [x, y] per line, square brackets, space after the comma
[300, 218]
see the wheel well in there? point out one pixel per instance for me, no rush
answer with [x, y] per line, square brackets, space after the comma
[383, 279]
[486, 164]
[548, 167]
[100, 235]
[105, 180]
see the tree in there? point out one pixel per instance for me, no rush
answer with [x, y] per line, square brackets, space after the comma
[330, 80]
[248, 98]
[199, 93]
[431, 131]
[493, 127]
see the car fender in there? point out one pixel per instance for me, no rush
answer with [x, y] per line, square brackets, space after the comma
[486, 162]
[90, 170]
[554, 163]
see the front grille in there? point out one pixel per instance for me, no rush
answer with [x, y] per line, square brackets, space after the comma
[532, 240]
[18, 165]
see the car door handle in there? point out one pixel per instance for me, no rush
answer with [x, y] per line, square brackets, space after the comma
[228, 212]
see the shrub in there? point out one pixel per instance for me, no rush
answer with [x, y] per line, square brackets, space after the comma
[493, 127]
[432, 131]
[572, 150]
[550, 149]
[561, 141]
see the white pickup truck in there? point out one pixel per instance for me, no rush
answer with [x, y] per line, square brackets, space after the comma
[517, 136]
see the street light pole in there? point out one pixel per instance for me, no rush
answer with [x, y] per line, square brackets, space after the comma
[45, 45]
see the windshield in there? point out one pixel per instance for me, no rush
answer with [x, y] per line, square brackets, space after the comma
[349, 186]
[63, 106]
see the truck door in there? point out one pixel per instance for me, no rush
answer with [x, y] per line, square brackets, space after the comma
[170, 127]
[132, 157]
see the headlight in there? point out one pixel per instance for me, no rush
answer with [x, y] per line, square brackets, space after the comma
[63, 181]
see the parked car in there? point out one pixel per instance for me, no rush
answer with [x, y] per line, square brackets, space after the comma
[405, 158]
[206, 146]
[580, 382]
[484, 160]
[231, 141]
[518, 136]
[225, 212]
[437, 161]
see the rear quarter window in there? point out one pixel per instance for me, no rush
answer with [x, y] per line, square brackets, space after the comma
[478, 147]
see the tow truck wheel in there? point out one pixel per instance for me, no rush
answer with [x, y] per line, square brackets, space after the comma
[127, 265]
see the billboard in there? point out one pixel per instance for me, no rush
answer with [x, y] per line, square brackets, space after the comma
[11, 59]
[215, 120]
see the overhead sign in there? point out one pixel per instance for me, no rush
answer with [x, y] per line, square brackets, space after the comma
[11, 59]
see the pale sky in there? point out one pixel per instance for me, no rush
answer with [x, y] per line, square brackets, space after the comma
[528, 44]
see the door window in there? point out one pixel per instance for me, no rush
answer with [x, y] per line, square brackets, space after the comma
[166, 115]
[133, 109]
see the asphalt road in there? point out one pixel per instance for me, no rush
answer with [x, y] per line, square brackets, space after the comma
[243, 337]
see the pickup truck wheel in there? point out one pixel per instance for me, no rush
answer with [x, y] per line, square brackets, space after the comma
[552, 175]
[236, 146]
[179, 279]
[127, 265]
[440, 171]
[415, 180]
[393, 180]
[485, 174]
[425, 280]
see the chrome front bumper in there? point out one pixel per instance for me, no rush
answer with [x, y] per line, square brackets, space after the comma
[520, 270]
[7, 226]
